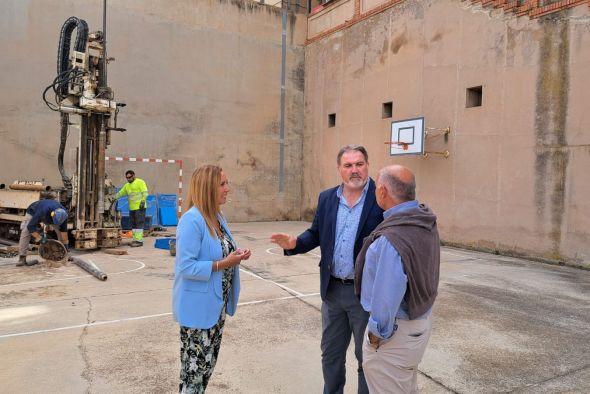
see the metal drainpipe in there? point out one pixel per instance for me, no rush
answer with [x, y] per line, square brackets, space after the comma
[284, 10]
[104, 45]
[100, 168]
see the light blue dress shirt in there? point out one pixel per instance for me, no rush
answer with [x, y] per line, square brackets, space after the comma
[385, 283]
[347, 224]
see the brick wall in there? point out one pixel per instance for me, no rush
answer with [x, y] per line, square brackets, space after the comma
[530, 8]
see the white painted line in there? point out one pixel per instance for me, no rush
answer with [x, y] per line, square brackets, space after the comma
[278, 299]
[19, 334]
[273, 282]
[270, 251]
[141, 266]
[463, 255]
[102, 323]
[453, 254]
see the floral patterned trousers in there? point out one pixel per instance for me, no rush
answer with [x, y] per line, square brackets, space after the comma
[198, 354]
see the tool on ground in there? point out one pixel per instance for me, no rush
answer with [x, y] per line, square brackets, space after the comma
[90, 267]
[53, 250]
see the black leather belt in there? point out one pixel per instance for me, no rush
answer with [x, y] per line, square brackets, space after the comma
[343, 281]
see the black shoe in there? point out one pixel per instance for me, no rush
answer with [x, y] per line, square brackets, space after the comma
[136, 244]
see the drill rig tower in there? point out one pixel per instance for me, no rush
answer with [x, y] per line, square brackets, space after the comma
[82, 95]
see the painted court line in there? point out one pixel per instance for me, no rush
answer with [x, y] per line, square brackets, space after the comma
[270, 251]
[107, 322]
[298, 294]
[473, 258]
[141, 266]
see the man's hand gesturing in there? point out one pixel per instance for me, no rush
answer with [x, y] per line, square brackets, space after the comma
[285, 241]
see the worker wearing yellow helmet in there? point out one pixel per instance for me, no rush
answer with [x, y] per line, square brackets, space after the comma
[136, 191]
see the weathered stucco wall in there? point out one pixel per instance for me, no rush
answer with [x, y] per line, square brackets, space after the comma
[202, 84]
[201, 80]
[516, 180]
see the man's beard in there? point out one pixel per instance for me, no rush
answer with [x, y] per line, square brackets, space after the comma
[356, 182]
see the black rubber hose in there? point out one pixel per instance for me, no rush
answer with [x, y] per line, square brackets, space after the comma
[65, 119]
[63, 48]
[82, 35]
[61, 82]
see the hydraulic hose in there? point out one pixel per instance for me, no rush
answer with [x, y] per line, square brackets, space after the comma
[65, 119]
[63, 48]
[63, 65]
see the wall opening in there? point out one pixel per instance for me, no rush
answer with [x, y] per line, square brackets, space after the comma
[331, 120]
[474, 97]
[387, 111]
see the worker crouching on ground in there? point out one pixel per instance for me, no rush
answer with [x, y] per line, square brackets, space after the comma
[136, 191]
[48, 212]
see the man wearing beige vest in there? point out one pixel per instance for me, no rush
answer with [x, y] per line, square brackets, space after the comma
[396, 276]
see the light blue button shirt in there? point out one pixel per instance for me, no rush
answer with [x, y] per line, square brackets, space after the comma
[385, 283]
[347, 224]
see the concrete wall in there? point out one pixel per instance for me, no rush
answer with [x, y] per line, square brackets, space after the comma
[517, 177]
[201, 80]
[202, 84]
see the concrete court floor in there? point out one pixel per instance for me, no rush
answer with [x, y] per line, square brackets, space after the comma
[501, 325]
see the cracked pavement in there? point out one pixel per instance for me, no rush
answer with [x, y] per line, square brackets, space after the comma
[501, 324]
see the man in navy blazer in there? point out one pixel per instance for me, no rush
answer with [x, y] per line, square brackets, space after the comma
[345, 215]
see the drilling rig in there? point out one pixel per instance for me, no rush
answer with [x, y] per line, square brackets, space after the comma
[88, 115]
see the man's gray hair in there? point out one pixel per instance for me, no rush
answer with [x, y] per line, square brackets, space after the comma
[396, 187]
[348, 148]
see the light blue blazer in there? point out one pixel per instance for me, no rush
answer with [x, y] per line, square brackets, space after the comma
[197, 296]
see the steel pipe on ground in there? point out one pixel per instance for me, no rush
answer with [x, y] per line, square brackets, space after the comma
[90, 267]
[39, 188]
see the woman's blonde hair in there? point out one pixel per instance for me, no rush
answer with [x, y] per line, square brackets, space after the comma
[203, 193]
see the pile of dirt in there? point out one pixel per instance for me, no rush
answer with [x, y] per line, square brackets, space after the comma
[53, 250]
[53, 264]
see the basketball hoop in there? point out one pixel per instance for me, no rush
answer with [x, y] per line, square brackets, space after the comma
[407, 137]
[400, 144]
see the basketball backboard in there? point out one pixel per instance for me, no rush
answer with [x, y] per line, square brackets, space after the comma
[407, 137]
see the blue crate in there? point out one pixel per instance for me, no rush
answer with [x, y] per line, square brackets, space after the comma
[166, 200]
[152, 209]
[123, 205]
[168, 216]
[164, 243]
[167, 209]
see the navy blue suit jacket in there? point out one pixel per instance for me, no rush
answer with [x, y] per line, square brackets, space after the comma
[322, 232]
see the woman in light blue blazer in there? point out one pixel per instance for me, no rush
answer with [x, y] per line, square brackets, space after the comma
[206, 277]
